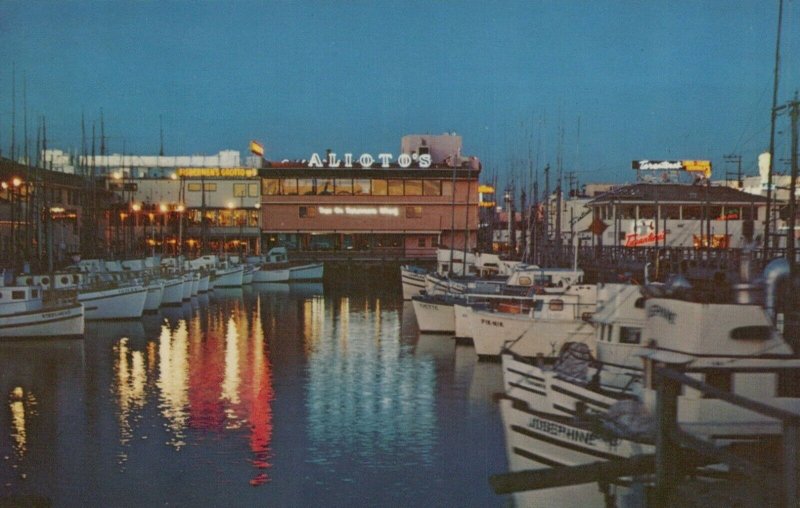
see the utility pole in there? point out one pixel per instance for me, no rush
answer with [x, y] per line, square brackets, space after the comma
[773, 114]
[738, 160]
[791, 316]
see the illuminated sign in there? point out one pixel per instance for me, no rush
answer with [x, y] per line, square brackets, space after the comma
[366, 160]
[59, 213]
[391, 211]
[682, 165]
[217, 172]
[644, 233]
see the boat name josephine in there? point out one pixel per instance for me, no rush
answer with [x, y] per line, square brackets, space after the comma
[562, 431]
[658, 310]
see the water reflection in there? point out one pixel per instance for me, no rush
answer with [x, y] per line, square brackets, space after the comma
[246, 388]
[366, 395]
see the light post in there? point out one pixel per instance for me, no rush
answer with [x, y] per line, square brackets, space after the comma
[152, 217]
[163, 208]
[16, 182]
[135, 209]
[225, 229]
[179, 246]
[258, 227]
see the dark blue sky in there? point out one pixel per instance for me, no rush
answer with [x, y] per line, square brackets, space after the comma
[622, 80]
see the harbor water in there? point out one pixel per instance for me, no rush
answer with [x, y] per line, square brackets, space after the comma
[270, 395]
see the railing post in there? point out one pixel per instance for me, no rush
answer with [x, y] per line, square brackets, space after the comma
[666, 448]
[791, 464]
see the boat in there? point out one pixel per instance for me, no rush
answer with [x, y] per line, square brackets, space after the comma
[24, 313]
[536, 327]
[249, 272]
[276, 267]
[413, 280]
[227, 275]
[104, 295]
[731, 344]
[173, 291]
[155, 293]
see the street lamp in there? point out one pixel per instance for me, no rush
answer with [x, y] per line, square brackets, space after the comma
[225, 228]
[163, 208]
[135, 208]
[179, 246]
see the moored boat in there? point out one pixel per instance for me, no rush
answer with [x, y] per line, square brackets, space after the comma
[25, 314]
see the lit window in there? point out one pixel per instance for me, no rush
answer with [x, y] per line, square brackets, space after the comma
[308, 212]
[252, 190]
[289, 187]
[305, 186]
[413, 212]
[379, 187]
[395, 187]
[239, 190]
[344, 186]
[325, 186]
[270, 187]
[361, 187]
[413, 188]
[432, 187]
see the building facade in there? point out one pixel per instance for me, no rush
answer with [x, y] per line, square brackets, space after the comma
[406, 206]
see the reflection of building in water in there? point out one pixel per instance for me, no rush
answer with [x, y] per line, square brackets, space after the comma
[210, 376]
[42, 418]
[365, 396]
[173, 380]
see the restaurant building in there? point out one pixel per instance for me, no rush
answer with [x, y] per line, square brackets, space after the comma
[402, 206]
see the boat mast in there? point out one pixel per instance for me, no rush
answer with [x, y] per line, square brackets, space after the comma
[773, 114]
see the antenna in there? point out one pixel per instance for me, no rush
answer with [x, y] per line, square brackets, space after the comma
[161, 130]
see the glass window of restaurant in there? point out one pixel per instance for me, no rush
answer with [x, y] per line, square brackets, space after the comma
[395, 187]
[270, 186]
[289, 187]
[324, 186]
[361, 186]
[305, 186]
[692, 212]
[647, 212]
[626, 211]
[344, 187]
[432, 187]
[413, 188]
[379, 187]
[670, 212]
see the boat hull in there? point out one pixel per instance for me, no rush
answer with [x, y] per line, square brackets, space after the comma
[173, 292]
[434, 316]
[202, 286]
[413, 282]
[155, 293]
[313, 271]
[526, 336]
[117, 303]
[61, 321]
[229, 277]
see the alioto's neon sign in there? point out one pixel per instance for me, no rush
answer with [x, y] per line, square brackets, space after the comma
[366, 160]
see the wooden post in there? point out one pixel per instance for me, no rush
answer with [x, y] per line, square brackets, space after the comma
[666, 448]
[791, 463]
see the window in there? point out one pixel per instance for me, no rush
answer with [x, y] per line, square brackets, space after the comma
[671, 212]
[18, 295]
[305, 186]
[626, 211]
[35, 292]
[421, 242]
[609, 331]
[556, 305]
[630, 335]
[413, 212]
[434, 241]
[270, 187]
[239, 190]
[289, 187]
[432, 187]
[379, 187]
[361, 187]
[193, 187]
[324, 186]
[647, 211]
[344, 187]
[413, 188]
[759, 333]
[395, 187]
[252, 190]
[210, 187]
[308, 212]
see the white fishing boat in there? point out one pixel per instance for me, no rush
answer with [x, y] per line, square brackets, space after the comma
[249, 272]
[413, 280]
[539, 327]
[195, 283]
[24, 313]
[155, 293]
[173, 291]
[227, 275]
[187, 286]
[536, 441]
[732, 345]
[202, 286]
[276, 267]
[434, 313]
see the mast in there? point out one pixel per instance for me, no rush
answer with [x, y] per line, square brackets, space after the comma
[773, 114]
[47, 223]
[452, 218]
[13, 111]
[466, 224]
